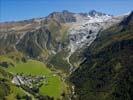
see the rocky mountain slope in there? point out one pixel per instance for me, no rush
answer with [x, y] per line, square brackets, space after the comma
[81, 34]
[106, 72]
[59, 32]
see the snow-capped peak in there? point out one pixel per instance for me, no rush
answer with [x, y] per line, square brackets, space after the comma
[95, 16]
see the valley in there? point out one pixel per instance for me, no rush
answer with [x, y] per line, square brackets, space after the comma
[67, 56]
[33, 78]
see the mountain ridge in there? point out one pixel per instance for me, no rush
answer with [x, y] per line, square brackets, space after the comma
[67, 11]
[67, 30]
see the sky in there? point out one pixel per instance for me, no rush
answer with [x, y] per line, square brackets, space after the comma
[14, 10]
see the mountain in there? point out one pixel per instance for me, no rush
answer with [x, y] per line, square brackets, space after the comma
[88, 53]
[106, 72]
[42, 38]
[63, 17]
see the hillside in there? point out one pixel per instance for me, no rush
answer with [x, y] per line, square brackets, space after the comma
[106, 72]
[25, 78]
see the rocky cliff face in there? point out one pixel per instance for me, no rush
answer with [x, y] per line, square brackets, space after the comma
[33, 43]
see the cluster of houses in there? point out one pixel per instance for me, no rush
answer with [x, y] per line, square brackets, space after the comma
[29, 80]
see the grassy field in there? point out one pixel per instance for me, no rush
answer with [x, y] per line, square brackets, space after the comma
[54, 87]
[30, 67]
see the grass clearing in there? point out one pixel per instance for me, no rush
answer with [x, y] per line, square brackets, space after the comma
[54, 87]
[31, 67]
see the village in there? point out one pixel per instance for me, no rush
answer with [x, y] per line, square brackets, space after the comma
[30, 80]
